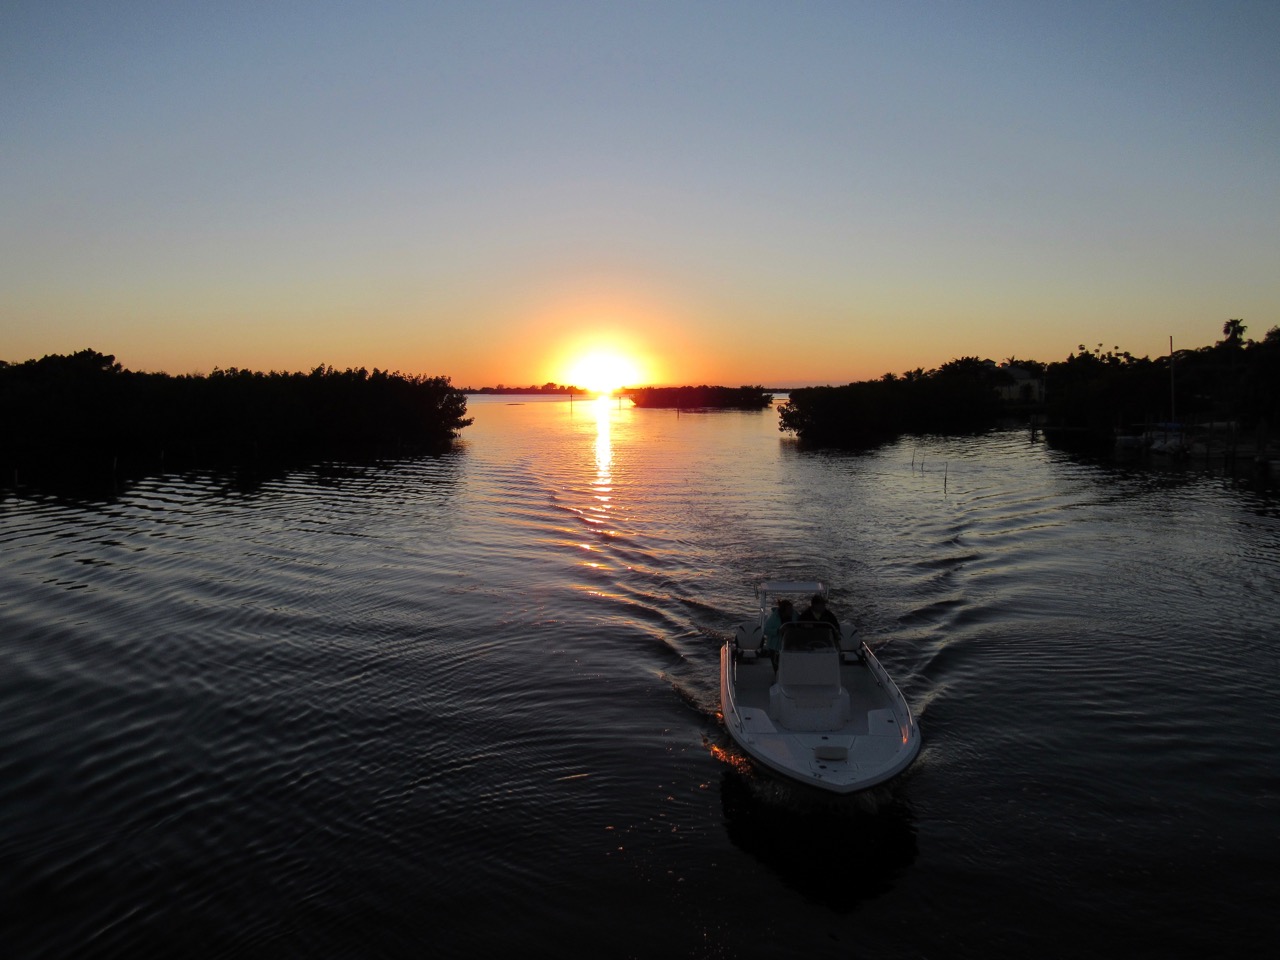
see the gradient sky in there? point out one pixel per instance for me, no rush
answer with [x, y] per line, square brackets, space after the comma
[776, 193]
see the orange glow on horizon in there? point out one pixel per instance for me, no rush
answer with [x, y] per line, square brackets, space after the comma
[597, 334]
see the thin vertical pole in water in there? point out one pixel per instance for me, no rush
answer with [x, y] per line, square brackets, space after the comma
[944, 476]
[1173, 413]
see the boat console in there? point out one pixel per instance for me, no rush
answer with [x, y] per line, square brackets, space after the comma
[808, 694]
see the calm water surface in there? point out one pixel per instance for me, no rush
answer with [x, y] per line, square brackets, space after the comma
[469, 704]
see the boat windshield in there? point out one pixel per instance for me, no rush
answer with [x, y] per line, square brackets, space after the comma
[808, 635]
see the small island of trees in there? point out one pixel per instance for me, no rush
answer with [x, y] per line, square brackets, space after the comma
[551, 388]
[960, 396]
[703, 397]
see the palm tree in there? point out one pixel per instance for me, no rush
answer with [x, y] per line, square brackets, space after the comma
[1234, 330]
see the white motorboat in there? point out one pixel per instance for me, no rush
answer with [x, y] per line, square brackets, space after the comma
[821, 709]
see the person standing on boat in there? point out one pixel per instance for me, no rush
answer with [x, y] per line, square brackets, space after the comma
[817, 612]
[784, 612]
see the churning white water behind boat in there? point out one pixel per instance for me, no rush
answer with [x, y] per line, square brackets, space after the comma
[467, 704]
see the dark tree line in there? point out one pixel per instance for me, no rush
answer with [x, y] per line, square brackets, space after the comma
[549, 387]
[82, 410]
[1235, 380]
[959, 397]
[1095, 392]
[703, 397]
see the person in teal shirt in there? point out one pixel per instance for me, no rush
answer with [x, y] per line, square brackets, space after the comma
[784, 612]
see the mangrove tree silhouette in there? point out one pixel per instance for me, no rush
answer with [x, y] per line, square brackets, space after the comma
[961, 396]
[83, 411]
[1086, 399]
[1095, 393]
[703, 397]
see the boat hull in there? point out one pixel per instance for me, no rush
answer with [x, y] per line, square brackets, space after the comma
[873, 739]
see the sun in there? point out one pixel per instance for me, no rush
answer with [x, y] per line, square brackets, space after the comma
[603, 372]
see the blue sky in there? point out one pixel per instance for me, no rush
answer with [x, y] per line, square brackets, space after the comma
[727, 192]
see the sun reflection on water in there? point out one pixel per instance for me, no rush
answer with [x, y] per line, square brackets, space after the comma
[598, 513]
[604, 451]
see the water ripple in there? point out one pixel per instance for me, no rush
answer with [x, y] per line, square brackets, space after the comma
[343, 709]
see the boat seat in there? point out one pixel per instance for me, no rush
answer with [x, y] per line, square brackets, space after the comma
[749, 640]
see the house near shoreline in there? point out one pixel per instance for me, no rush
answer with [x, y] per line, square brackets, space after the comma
[1027, 386]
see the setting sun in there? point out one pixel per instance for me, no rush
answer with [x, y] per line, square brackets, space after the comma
[603, 372]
